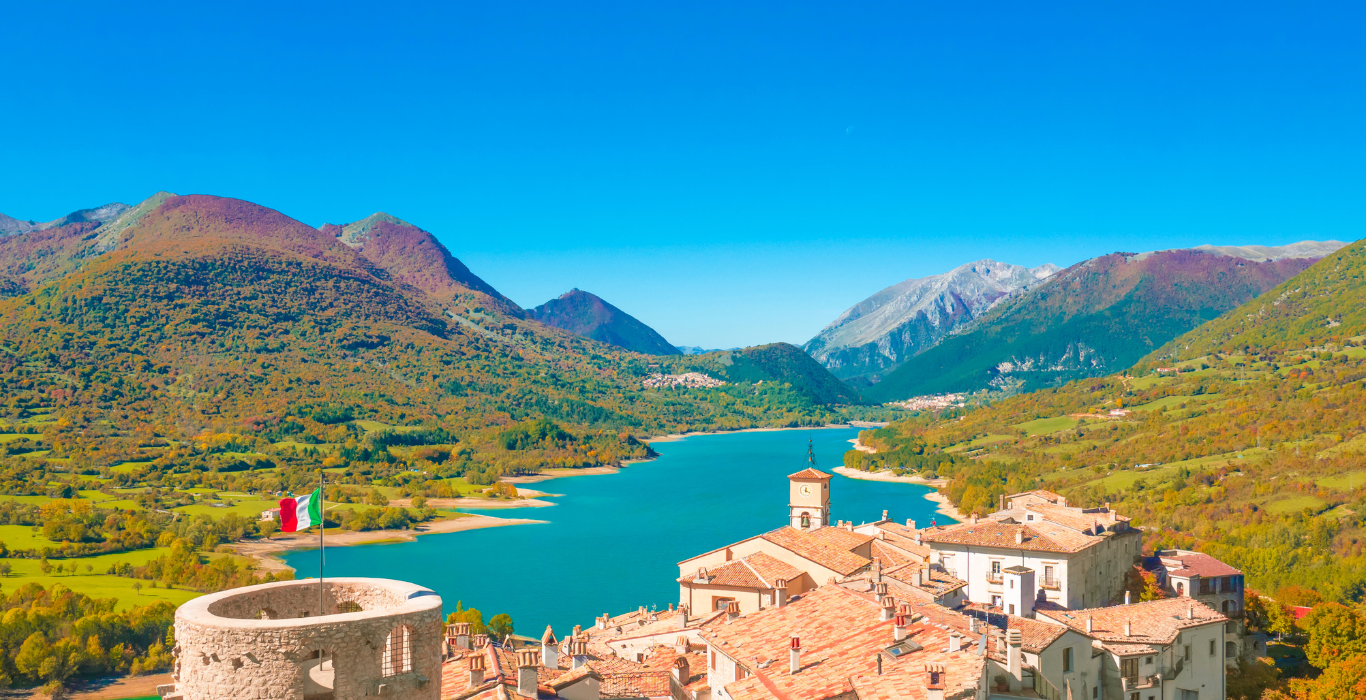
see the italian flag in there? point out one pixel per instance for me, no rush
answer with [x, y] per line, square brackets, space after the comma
[301, 513]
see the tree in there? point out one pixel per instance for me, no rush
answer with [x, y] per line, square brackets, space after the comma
[377, 498]
[45, 567]
[34, 651]
[1250, 680]
[500, 625]
[1345, 679]
[1335, 634]
[470, 615]
[5, 568]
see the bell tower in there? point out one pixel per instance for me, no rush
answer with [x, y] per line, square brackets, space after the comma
[809, 496]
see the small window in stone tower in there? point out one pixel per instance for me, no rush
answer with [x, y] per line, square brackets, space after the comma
[398, 652]
[348, 606]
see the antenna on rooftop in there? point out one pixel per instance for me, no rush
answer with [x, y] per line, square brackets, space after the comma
[810, 453]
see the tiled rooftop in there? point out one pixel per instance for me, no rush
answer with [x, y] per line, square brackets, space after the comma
[841, 635]
[1151, 624]
[757, 570]
[1186, 564]
[831, 547]
[938, 583]
[809, 473]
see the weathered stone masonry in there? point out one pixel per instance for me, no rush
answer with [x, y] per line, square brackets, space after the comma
[269, 641]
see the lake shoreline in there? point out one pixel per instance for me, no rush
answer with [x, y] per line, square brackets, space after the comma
[944, 508]
[265, 553]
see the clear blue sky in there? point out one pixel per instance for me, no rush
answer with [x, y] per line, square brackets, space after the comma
[730, 173]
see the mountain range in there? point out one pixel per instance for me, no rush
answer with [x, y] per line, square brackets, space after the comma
[885, 330]
[588, 315]
[190, 315]
[1096, 317]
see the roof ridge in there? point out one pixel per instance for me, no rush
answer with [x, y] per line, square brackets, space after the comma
[753, 570]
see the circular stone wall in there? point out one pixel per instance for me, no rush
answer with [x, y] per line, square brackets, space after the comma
[377, 637]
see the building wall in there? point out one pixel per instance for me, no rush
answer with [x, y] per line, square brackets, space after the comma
[1093, 577]
[224, 653]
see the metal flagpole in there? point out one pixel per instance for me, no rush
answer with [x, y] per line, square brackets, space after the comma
[322, 520]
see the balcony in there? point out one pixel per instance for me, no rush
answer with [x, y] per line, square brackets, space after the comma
[1131, 683]
[994, 577]
[1051, 584]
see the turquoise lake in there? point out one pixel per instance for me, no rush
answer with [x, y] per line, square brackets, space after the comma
[613, 542]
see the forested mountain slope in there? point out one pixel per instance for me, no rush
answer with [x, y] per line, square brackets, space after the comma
[214, 328]
[778, 363]
[1096, 317]
[588, 315]
[1251, 450]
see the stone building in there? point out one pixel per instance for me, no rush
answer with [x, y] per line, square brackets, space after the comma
[361, 637]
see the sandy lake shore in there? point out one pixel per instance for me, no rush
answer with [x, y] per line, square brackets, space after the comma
[264, 552]
[475, 503]
[945, 507]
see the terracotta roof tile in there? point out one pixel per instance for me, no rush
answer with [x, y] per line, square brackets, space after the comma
[1035, 636]
[1154, 623]
[1038, 536]
[831, 547]
[842, 635]
[757, 570]
[809, 473]
[1186, 564]
[938, 583]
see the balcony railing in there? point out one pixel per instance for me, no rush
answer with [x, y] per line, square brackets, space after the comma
[994, 577]
[1051, 584]
[1138, 682]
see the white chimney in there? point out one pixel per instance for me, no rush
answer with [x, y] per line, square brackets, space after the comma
[476, 670]
[1190, 613]
[1128, 629]
[923, 575]
[795, 656]
[462, 635]
[972, 625]
[579, 649]
[1019, 536]
[550, 652]
[955, 641]
[1090, 625]
[1128, 598]
[910, 524]
[888, 608]
[1013, 664]
[934, 688]
[899, 628]
[884, 516]
[527, 672]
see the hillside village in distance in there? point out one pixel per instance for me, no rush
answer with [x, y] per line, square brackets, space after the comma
[1027, 602]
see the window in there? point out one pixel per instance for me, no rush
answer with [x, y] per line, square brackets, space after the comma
[1186, 652]
[398, 652]
[1067, 660]
[996, 567]
[1212, 648]
[1133, 696]
[348, 606]
[1230, 649]
[1012, 608]
[713, 660]
[1128, 668]
[1180, 588]
[719, 603]
[1148, 661]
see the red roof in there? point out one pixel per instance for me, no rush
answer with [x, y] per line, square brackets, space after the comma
[809, 473]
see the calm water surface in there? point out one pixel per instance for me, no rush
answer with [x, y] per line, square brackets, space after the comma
[613, 542]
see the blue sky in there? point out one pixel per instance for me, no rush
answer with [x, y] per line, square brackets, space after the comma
[730, 173]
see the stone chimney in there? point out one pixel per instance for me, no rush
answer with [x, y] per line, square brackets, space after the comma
[462, 635]
[888, 608]
[476, 670]
[877, 569]
[1013, 663]
[681, 671]
[550, 652]
[579, 650]
[733, 609]
[1128, 629]
[955, 641]
[481, 641]
[794, 656]
[973, 519]
[934, 687]
[681, 644]
[1128, 597]
[780, 592]
[527, 672]
[682, 616]
[1090, 624]
[900, 628]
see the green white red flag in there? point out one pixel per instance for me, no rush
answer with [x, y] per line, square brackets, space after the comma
[301, 513]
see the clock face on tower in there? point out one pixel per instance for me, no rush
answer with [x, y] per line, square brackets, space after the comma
[804, 489]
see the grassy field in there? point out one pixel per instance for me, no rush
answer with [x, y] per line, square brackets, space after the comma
[1297, 503]
[1343, 482]
[1046, 426]
[96, 583]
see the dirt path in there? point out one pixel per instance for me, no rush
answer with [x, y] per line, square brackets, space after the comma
[103, 688]
[264, 552]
